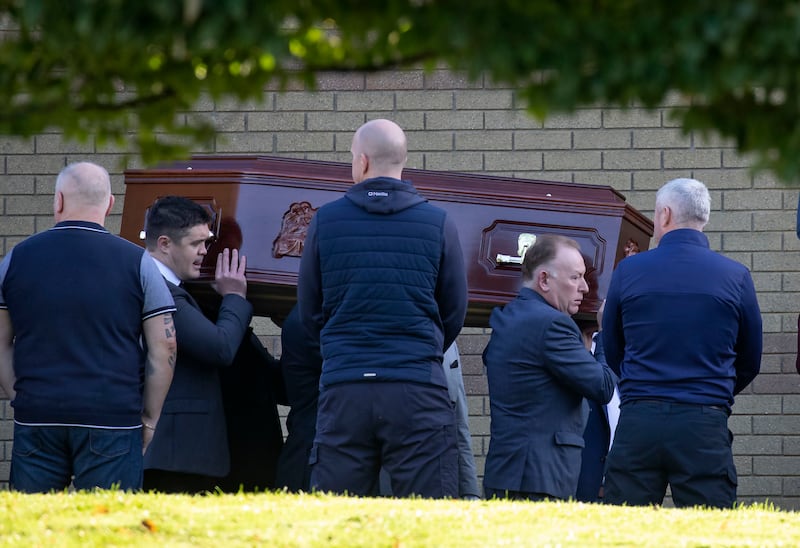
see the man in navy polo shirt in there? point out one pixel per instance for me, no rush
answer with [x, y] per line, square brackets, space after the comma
[75, 303]
[682, 328]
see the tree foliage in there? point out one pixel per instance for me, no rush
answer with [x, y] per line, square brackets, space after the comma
[108, 67]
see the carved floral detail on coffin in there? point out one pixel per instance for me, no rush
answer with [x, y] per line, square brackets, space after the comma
[294, 228]
[631, 248]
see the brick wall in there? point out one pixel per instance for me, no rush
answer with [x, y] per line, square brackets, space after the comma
[456, 125]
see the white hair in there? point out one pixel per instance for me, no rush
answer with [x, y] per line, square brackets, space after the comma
[688, 199]
[87, 184]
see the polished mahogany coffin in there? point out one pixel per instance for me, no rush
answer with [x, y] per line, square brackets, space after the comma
[262, 205]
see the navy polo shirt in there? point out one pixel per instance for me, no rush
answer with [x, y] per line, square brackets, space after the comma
[77, 296]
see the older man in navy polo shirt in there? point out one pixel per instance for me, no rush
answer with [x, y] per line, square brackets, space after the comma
[682, 327]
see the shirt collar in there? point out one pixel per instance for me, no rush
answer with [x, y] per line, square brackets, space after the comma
[684, 236]
[86, 225]
[528, 293]
[167, 272]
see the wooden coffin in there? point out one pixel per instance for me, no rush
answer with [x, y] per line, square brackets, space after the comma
[262, 205]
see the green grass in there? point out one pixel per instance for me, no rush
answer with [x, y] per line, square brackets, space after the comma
[111, 518]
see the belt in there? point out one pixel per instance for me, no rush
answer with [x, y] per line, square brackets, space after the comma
[721, 408]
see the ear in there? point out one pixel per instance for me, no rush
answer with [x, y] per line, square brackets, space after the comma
[363, 162]
[542, 281]
[110, 205]
[666, 217]
[163, 243]
[58, 202]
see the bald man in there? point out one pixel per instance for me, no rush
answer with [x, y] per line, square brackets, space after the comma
[382, 287]
[75, 304]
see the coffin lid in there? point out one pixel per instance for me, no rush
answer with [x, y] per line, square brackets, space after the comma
[251, 198]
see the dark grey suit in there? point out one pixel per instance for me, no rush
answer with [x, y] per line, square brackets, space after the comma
[539, 372]
[191, 436]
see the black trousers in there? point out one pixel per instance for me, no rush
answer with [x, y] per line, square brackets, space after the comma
[490, 493]
[407, 428]
[685, 446]
[164, 481]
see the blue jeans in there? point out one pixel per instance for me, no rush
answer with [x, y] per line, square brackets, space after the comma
[49, 458]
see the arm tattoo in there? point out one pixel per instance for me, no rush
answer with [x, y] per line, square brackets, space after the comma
[169, 326]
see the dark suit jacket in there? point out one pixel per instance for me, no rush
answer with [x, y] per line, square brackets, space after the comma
[302, 365]
[191, 436]
[593, 459]
[539, 372]
[251, 390]
[597, 437]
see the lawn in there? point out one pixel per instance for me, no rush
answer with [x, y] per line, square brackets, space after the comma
[111, 518]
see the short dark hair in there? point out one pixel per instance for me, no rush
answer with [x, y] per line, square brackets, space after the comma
[543, 251]
[173, 216]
